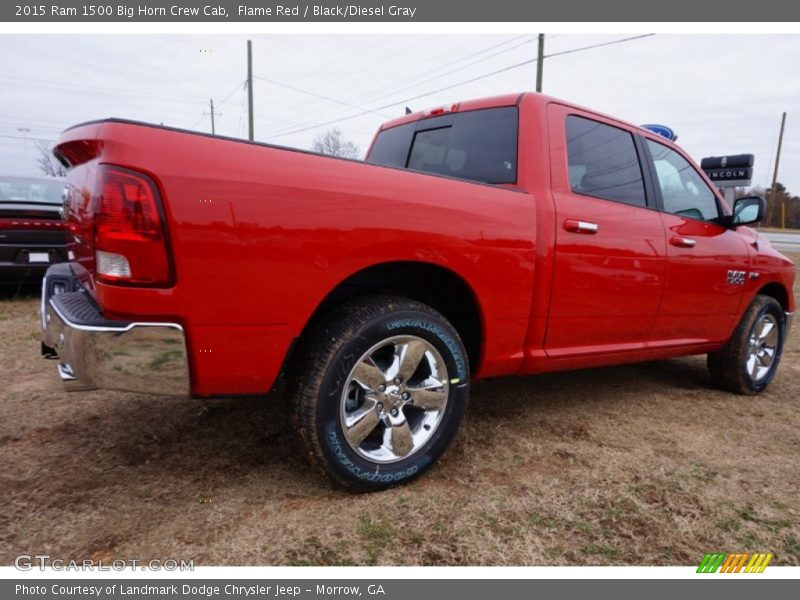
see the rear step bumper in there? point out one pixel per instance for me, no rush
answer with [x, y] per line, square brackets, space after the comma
[95, 353]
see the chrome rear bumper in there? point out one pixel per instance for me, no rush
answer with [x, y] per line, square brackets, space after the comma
[95, 353]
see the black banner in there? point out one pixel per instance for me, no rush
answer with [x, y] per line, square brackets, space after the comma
[731, 587]
[727, 162]
[401, 11]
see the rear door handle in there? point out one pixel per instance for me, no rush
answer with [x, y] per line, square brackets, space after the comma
[577, 226]
[682, 242]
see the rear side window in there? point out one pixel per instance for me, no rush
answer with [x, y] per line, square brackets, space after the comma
[479, 145]
[391, 147]
[603, 162]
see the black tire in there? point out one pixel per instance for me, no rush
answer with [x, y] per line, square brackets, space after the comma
[729, 365]
[326, 360]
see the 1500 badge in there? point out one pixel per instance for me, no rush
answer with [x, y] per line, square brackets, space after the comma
[736, 277]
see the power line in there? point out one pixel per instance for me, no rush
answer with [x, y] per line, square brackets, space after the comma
[440, 66]
[196, 123]
[372, 49]
[22, 137]
[466, 57]
[239, 125]
[458, 84]
[239, 86]
[528, 41]
[461, 68]
[406, 100]
[6, 125]
[74, 87]
[384, 62]
[58, 122]
[370, 96]
[25, 119]
[316, 95]
[611, 43]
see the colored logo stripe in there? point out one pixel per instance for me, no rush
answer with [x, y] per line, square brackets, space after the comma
[734, 563]
[758, 563]
[711, 563]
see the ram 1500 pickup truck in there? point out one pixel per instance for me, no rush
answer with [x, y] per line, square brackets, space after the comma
[512, 235]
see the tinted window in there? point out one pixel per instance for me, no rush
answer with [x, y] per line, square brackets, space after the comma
[433, 152]
[479, 145]
[391, 147]
[603, 162]
[683, 191]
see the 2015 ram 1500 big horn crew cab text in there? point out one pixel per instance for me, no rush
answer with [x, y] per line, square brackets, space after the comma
[509, 235]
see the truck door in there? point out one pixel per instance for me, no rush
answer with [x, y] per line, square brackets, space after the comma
[706, 263]
[609, 265]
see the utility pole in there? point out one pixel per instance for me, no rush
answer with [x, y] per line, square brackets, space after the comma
[211, 104]
[250, 89]
[540, 64]
[775, 173]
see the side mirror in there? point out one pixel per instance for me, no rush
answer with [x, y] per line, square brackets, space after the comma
[748, 210]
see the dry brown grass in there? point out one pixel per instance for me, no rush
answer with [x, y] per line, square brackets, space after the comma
[643, 464]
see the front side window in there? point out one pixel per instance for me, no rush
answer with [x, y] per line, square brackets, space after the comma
[479, 145]
[683, 191]
[603, 162]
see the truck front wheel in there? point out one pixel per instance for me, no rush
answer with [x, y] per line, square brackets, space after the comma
[747, 363]
[378, 392]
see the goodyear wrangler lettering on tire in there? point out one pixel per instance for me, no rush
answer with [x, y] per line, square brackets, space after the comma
[380, 391]
[451, 344]
[357, 472]
[749, 360]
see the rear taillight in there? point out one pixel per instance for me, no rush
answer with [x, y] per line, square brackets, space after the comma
[130, 237]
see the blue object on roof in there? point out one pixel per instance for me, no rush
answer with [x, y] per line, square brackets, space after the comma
[661, 130]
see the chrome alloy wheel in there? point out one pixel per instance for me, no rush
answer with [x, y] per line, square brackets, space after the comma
[762, 347]
[394, 399]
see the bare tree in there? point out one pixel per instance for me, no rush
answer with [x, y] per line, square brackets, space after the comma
[47, 161]
[332, 143]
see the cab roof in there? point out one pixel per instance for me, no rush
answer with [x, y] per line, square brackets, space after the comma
[511, 100]
[489, 102]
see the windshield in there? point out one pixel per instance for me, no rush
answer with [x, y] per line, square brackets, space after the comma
[18, 189]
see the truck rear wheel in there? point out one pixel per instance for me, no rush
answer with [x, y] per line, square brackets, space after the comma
[747, 363]
[378, 392]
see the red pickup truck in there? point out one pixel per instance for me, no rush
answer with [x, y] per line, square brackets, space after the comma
[511, 235]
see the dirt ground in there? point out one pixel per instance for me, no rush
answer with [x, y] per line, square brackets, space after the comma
[646, 464]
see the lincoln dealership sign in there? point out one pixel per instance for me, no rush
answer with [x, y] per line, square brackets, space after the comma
[733, 170]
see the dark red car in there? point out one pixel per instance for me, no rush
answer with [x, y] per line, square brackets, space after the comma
[32, 232]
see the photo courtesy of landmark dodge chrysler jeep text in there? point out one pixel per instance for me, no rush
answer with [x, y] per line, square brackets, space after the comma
[511, 235]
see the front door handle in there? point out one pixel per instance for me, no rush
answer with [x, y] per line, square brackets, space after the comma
[576, 226]
[682, 242]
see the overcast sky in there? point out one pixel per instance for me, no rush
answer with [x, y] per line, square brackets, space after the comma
[722, 94]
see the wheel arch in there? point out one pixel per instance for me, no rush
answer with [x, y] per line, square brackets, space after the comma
[777, 291]
[439, 287]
